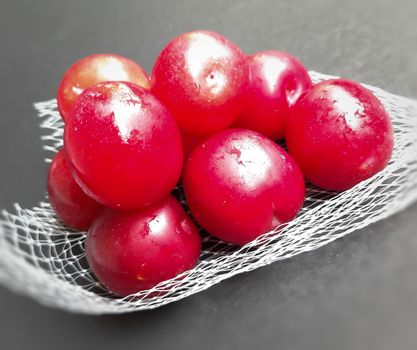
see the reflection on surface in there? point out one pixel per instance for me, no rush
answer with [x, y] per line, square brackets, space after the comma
[272, 69]
[202, 49]
[158, 224]
[252, 160]
[125, 106]
[112, 69]
[348, 106]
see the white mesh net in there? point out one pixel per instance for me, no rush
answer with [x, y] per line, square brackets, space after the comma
[42, 258]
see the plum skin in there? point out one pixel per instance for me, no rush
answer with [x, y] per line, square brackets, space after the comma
[123, 146]
[201, 77]
[131, 251]
[94, 69]
[277, 81]
[339, 134]
[70, 203]
[239, 185]
[189, 142]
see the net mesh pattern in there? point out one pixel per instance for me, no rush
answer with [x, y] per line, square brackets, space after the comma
[44, 259]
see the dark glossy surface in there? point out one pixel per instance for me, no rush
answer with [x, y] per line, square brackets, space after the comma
[239, 185]
[277, 80]
[359, 292]
[189, 142]
[69, 201]
[94, 69]
[135, 250]
[201, 77]
[339, 134]
[123, 146]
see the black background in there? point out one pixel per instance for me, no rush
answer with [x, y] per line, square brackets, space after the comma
[359, 292]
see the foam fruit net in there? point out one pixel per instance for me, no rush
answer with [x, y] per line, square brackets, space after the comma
[43, 259]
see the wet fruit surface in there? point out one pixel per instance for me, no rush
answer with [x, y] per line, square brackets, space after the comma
[135, 250]
[189, 142]
[70, 203]
[339, 134]
[95, 69]
[123, 145]
[201, 77]
[239, 185]
[277, 81]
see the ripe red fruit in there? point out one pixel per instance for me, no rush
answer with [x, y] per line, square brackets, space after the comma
[123, 145]
[201, 77]
[70, 203]
[277, 81]
[135, 250]
[339, 134]
[239, 185]
[189, 142]
[95, 69]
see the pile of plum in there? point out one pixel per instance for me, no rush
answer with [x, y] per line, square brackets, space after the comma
[209, 118]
